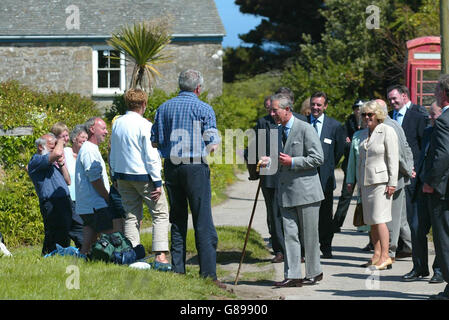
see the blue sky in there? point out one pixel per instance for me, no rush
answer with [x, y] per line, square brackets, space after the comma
[234, 22]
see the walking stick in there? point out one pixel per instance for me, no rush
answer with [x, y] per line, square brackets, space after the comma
[249, 225]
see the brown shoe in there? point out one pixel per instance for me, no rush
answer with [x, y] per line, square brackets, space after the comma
[220, 284]
[278, 258]
[287, 283]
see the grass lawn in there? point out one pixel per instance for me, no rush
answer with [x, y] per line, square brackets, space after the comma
[27, 275]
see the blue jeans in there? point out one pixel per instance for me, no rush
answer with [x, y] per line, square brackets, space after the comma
[190, 184]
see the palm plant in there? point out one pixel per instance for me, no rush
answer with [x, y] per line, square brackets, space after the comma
[143, 44]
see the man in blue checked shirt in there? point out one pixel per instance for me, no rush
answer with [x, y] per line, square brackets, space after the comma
[185, 131]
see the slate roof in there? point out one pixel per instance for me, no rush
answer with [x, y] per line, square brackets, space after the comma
[47, 18]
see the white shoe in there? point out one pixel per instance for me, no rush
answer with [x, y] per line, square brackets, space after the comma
[4, 251]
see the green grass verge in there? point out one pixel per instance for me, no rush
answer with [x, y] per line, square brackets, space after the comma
[27, 275]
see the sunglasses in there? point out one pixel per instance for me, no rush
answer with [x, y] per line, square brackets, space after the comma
[369, 114]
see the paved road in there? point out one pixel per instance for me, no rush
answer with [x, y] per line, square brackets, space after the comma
[343, 277]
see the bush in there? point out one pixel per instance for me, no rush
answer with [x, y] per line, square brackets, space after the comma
[20, 218]
[20, 106]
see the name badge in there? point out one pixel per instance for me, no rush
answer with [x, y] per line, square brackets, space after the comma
[328, 141]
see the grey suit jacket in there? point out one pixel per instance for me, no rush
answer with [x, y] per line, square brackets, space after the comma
[301, 185]
[405, 154]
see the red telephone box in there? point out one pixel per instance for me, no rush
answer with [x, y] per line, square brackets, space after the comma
[423, 68]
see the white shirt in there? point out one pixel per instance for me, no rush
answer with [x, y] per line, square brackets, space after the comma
[400, 114]
[70, 163]
[132, 156]
[319, 123]
[89, 167]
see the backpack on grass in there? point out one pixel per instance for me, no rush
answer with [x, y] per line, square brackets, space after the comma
[114, 247]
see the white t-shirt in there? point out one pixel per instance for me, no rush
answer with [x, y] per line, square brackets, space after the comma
[89, 167]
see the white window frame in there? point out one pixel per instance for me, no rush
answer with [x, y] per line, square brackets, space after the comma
[107, 91]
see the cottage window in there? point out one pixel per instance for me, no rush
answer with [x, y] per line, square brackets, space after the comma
[108, 71]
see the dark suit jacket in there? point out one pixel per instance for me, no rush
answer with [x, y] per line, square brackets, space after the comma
[436, 164]
[333, 132]
[420, 169]
[268, 124]
[423, 111]
[413, 125]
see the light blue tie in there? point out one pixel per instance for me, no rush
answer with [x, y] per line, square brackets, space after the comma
[399, 118]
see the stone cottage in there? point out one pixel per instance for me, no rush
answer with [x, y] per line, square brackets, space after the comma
[60, 45]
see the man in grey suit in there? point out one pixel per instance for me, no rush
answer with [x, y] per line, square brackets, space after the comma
[399, 225]
[299, 194]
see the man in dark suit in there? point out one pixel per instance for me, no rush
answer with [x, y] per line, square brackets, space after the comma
[268, 184]
[436, 179]
[402, 97]
[332, 137]
[413, 122]
[420, 249]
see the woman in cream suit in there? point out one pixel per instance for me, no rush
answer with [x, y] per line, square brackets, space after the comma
[378, 166]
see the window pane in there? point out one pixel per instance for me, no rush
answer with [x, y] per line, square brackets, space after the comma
[429, 75]
[115, 79]
[115, 63]
[102, 59]
[428, 87]
[103, 79]
[427, 100]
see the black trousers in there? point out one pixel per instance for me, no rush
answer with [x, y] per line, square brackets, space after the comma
[440, 227]
[57, 216]
[343, 205]
[325, 226]
[419, 228]
[274, 220]
[189, 185]
[76, 230]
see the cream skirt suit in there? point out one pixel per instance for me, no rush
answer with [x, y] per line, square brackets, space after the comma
[378, 167]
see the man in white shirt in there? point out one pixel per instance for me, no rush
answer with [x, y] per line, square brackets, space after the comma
[92, 185]
[137, 167]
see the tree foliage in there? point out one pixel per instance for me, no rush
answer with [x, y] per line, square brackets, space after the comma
[276, 39]
[284, 21]
[353, 61]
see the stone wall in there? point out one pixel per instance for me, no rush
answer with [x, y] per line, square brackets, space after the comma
[68, 67]
[46, 67]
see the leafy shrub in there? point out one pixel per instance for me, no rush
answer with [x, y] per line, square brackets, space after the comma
[20, 218]
[339, 81]
[20, 106]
